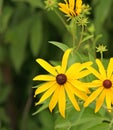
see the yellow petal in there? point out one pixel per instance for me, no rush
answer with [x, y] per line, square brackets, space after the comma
[78, 3]
[78, 10]
[100, 101]
[111, 77]
[96, 73]
[71, 4]
[64, 8]
[93, 96]
[80, 94]
[73, 70]
[58, 68]
[47, 94]
[45, 78]
[83, 74]
[78, 6]
[86, 64]
[77, 84]
[64, 60]
[54, 99]
[44, 87]
[71, 97]
[94, 84]
[108, 100]
[47, 66]
[101, 68]
[110, 68]
[111, 94]
[77, 67]
[62, 101]
[66, 2]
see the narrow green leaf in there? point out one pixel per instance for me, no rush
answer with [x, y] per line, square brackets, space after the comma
[4, 18]
[97, 38]
[17, 37]
[59, 45]
[36, 35]
[43, 107]
[87, 38]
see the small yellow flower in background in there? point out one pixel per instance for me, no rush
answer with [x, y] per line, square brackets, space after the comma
[61, 81]
[103, 86]
[70, 8]
[101, 48]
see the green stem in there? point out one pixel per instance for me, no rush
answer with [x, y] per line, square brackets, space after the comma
[73, 40]
[79, 43]
[62, 20]
[101, 53]
[72, 33]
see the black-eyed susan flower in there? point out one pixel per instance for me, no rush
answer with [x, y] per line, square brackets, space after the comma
[103, 86]
[61, 82]
[71, 8]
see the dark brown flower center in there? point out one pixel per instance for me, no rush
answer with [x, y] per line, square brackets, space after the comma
[107, 83]
[61, 79]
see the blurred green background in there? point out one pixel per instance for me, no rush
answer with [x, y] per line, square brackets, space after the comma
[25, 29]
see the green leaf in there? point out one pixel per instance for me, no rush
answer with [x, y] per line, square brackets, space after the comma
[62, 123]
[33, 3]
[87, 38]
[102, 11]
[83, 120]
[102, 126]
[3, 128]
[46, 120]
[43, 107]
[4, 18]
[1, 4]
[30, 124]
[3, 116]
[17, 37]
[92, 58]
[4, 93]
[36, 35]
[59, 45]
[97, 38]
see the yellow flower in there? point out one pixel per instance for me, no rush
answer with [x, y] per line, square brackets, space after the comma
[103, 86]
[59, 82]
[70, 8]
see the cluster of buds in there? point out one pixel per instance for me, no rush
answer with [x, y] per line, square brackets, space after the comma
[50, 4]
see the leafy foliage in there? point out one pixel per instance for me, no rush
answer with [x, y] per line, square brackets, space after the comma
[25, 29]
